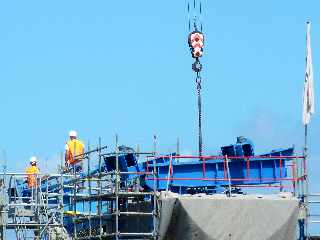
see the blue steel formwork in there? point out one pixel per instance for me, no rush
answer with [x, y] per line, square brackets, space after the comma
[91, 201]
[211, 171]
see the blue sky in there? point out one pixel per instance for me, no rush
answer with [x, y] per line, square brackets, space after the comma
[107, 67]
[124, 67]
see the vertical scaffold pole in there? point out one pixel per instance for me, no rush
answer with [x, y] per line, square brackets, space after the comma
[154, 161]
[297, 176]
[100, 192]
[178, 147]
[61, 192]
[154, 144]
[89, 183]
[228, 173]
[155, 187]
[4, 196]
[74, 195]
[117, 188]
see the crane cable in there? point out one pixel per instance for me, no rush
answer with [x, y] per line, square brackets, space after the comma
[198, 81]
[197, 17]
[196, 43]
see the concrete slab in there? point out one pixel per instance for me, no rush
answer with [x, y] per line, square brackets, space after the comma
[218, 217]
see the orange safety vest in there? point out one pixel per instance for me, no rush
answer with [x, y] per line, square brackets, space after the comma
[31, 179]
[74, 148]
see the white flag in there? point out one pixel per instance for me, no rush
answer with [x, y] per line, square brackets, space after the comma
[308, 93]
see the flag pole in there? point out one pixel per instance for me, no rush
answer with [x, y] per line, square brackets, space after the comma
[305, 197]
[308, 110]
[305, 140]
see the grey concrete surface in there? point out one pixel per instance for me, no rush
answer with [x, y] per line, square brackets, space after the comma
[218, 217]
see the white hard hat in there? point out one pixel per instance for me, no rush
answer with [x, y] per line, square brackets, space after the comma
[72, 133]
[33, 159]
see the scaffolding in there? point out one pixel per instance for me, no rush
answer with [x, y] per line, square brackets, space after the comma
[34, 213]
[101, 203]
[110, 207]
[91, 204]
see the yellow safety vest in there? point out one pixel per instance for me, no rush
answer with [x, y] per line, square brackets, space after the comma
[31, 179]
[75, 148]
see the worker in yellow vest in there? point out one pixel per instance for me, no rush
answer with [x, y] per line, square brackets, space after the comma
[32, 170]
[74, 152]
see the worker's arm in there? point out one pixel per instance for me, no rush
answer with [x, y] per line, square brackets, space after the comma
[66, 160]
[66, 156]
[26, 179]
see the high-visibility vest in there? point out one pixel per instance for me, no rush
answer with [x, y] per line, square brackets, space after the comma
[31, 179]
[74, 148]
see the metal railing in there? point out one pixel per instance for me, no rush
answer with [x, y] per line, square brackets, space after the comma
[295, 164]
[30, 211]
[114, 201]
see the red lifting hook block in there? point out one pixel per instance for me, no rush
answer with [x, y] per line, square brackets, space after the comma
[196, 43]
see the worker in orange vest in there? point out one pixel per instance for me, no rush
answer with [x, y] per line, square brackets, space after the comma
[32, 170]
[74, 152]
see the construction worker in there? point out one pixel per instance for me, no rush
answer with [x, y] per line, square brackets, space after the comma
[32, 170]
[74, 152]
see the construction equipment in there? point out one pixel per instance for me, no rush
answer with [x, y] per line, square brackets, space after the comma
[196, 44]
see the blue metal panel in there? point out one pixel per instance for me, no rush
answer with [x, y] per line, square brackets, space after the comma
[190, 174]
